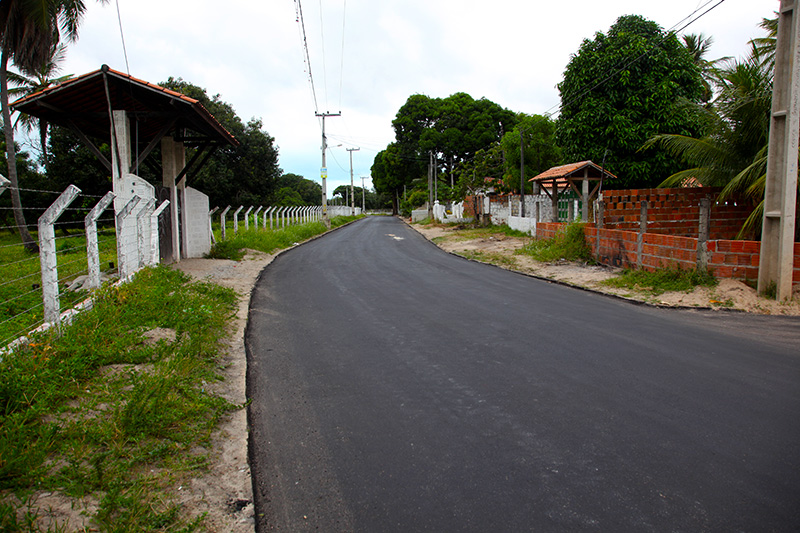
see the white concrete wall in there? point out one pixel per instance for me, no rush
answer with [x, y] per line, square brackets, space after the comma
[198, 238]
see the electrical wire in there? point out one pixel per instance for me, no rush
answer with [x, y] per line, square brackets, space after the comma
[122, 37]
[341, 66]
[306, 57]
[324, 67]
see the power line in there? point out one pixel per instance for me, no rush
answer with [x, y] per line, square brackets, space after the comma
[307, 59]
[621, 67]
[324, 67]
[341, 66]
[122, 36]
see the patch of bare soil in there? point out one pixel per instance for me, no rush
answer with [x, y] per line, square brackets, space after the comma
[225, 492]
[728, 293]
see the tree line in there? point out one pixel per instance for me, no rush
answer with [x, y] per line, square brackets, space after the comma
[646, 104]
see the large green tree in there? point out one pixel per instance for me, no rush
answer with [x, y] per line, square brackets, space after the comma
[534, 139]
[310, 191]
[244, 174]
[452, 128]
[622, 88]
[391, 171]
[29, 35]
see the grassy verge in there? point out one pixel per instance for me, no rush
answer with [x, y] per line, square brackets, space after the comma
[106, 413]
[662, 280]
[568, 245]
[268, 241]
[20, 287]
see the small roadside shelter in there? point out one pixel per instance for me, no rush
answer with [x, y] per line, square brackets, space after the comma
[584, 177]
[134, 117]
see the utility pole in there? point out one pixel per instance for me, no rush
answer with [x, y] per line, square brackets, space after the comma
[430, 185]
[324, 169]
[352, 191]
[780, 193]
[521, 174]
[363, 196]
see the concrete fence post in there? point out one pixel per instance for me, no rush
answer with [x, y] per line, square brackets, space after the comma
[4, 183]
[236, 220]
[144, 233]
[92, 246]
[222, 220]
[47, 254]
[702, 235]
[123, 260]
[283, 212]
[210, 224]
[247, 218]
[642, 231]
[267, 211]
[155, 250]
[273, 212]
[255, 216]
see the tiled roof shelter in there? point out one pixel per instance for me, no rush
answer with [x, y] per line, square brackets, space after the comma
[561, 178]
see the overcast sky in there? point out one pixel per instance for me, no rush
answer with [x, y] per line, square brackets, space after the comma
[369, 56]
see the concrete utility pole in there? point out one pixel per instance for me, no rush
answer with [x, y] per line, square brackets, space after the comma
[430, 185]
[324, 169]
[352, 189]
[363, 196]
[780, 194]
[521, 174]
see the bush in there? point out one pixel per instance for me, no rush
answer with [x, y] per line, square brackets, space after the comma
[568, 245]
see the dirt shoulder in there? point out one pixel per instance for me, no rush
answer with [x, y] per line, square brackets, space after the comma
[500, 250]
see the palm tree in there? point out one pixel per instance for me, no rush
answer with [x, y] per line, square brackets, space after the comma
[38, 80]
[698, 46]
[733, 155]
[29, 36]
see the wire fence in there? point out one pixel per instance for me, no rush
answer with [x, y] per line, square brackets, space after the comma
[22, 306]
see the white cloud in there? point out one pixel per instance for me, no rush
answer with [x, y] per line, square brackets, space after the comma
[250, 53]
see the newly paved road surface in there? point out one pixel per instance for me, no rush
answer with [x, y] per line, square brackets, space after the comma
[395, 387]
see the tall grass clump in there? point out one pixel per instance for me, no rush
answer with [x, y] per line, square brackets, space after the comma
[662, 280]
[569, 244]
[110, 409]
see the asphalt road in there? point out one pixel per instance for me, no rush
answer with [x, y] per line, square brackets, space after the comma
[395, 387]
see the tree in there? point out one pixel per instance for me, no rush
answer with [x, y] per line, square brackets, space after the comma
[391, 171]
[454, 129]
[621, 89]
[541, 152]
[29, 35]
[245, 174]
[733, 154]
[310, 191]
[39, 79]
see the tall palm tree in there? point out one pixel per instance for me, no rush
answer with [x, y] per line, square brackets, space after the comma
[733, 155]
[35, 81]
[698, 46]
[29, 34]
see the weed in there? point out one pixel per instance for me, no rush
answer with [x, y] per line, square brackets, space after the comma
[225, 250]
[771, 291]
[568, 245]
[123, 436]
[662, 280]
[489, 257]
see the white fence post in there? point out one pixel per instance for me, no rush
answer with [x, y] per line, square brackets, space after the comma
[210, 228]
[236, 220]
[155, 251]
[122, 252]
[255, 216]
[144, 233]
[4, 183]
[92, 247]
[272, 211]
[47, 254]
[247, 218]
[267, 211]
[222, 220]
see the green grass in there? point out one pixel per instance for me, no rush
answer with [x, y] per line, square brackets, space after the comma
[490, 257]
[662, 280]
[568, 245]
[268, 241]
[20, 287]
[101, 412]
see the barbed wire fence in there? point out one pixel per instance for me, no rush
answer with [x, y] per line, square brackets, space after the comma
[71, 248]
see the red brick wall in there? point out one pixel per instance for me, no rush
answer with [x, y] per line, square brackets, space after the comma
[733, 259]
[673, 211]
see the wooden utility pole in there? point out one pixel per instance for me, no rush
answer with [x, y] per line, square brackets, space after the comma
[780, 194]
